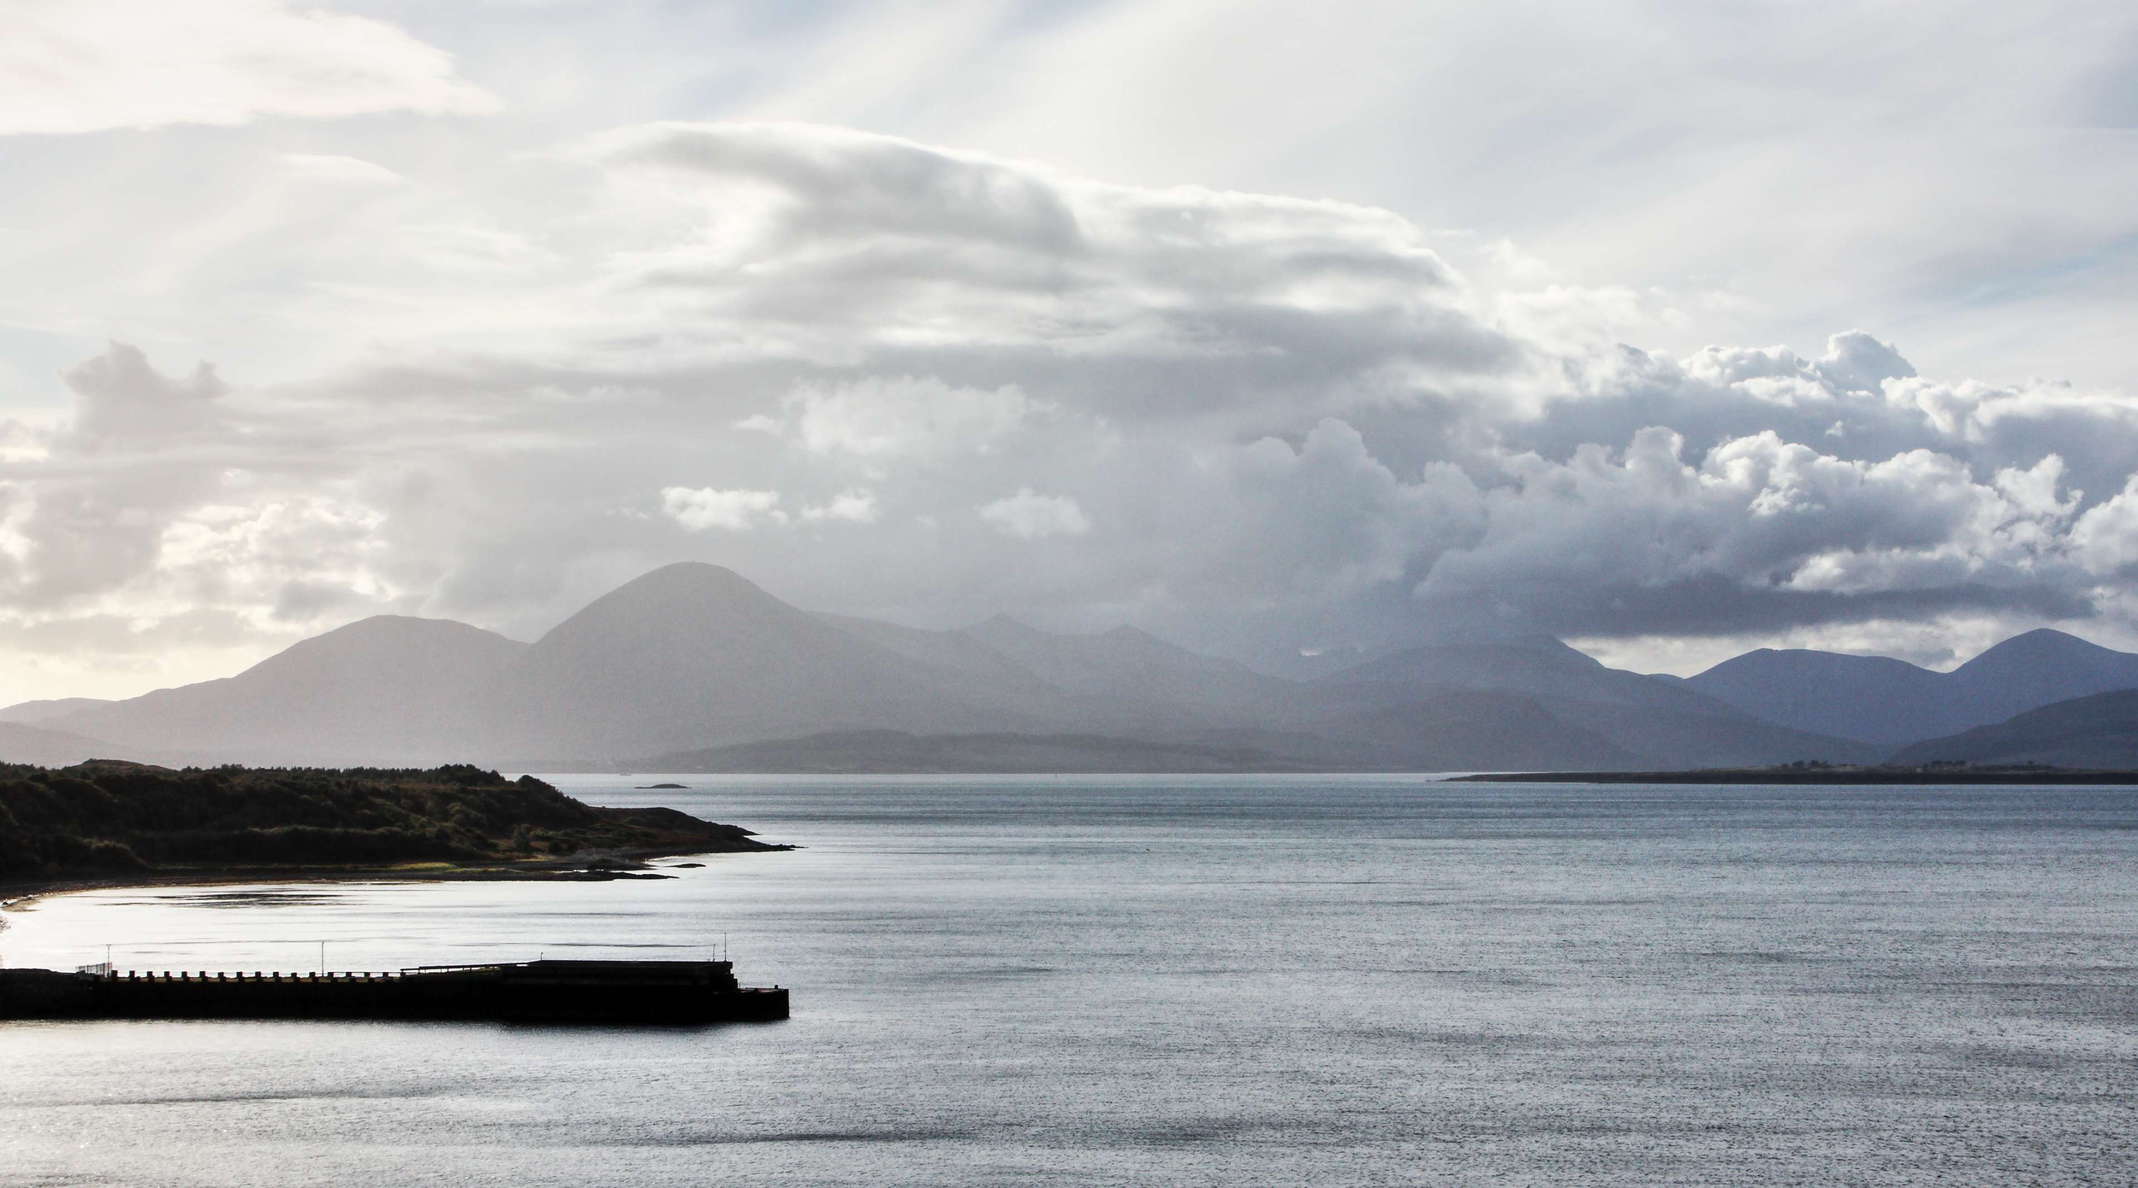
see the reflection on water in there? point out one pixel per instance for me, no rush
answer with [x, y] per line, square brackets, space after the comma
[1192, 980]
[249, 897]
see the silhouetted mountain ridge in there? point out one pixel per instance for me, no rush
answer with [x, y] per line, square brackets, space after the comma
[695, 658]
[30, 713]
[388, 689]
[2099, 731]
[1891, 702]
[692, 653]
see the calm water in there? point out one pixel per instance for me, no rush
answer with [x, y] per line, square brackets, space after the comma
[1135, 981]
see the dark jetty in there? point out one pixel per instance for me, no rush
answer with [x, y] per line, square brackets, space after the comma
[622, 992]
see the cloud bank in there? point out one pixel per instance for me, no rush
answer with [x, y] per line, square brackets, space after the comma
[890, 378]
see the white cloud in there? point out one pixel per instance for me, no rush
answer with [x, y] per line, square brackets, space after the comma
[1834, 177]
[852, 507]
[2106, 537]
[331, 167]
[1028, 515]
[701, 509]
[122, 401]
[886, 417]
[86, 65]
[23, 442]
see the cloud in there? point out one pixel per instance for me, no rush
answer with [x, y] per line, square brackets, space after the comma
[2106, 537]
[880, 417]
[701, 509]
[1028, 515]
[1759, 532]
[72, 66]
[818, 243]
[137, 455]
[121, 401]
[1255, 423]
[167, 529]
[851, 507]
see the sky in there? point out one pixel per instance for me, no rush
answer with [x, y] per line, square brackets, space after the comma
[1280, 330]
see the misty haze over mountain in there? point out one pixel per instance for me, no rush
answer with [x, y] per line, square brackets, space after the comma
[694, 667]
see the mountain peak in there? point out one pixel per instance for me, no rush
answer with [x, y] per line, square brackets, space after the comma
[1768, 664]
[384, 635]
[709, 607]
[2043, 637]
[388, 625]
[691, 576]
[692, 654]
[2043, 645]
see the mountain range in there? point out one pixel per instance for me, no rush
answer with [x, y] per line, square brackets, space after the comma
[694, 667]
[1891, 702]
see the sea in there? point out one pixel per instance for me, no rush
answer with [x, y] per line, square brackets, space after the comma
[1177, 980]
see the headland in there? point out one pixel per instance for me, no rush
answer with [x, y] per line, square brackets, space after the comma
[107, 823]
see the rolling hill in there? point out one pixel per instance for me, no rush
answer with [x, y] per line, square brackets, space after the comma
[2099, 731]
[1891, 702]
[385, 690]
[1640, 719]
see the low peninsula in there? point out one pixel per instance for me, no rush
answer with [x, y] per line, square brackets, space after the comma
[114, 823]
[1824, 773]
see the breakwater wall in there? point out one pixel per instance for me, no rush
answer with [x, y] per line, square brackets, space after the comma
[518, 992]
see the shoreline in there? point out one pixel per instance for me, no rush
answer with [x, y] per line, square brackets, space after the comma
[23, 895]
[200, 828]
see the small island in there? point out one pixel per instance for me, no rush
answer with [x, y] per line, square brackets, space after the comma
[108, 822]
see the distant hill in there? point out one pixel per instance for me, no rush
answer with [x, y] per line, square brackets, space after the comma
[1593, 716]
[54, 748]
[694, 659]
[1533, 664]
[1451, 729]
[1892, 702]
[1871, 698]
[947, 651]
[384, 690]
[30, 713]
[2100, 731]
[1124, 680]
[1133, 666]
[693, 654]
[2040, 667]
